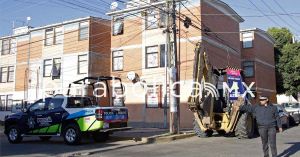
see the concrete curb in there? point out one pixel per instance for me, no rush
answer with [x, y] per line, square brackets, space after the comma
[167, 138]
[157, 138]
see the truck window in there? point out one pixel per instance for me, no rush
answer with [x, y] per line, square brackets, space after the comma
[37, 106]
[55, 103]
[79, 102]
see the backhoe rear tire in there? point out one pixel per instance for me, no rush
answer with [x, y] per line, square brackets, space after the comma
[200, 133]
[245, 126]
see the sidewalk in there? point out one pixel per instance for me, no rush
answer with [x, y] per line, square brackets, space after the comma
[150, 135]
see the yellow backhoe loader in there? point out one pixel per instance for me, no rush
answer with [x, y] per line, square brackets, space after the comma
[213, 110]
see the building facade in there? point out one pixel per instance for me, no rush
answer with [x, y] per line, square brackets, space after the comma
[139, 53]
[258, 62]
[42, 61]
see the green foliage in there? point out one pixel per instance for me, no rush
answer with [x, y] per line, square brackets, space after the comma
[289, 67]
[282, 36]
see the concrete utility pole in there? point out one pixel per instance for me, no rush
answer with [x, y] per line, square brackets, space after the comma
[174, 123]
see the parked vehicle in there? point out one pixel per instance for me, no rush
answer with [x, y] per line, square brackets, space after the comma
[294, 112]
[66, 116]
[284, 116]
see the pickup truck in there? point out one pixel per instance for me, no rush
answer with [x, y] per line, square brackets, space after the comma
[69, 117]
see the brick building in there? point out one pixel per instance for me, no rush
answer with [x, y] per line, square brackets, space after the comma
[258, 62]
[138, 49]
[41, 61]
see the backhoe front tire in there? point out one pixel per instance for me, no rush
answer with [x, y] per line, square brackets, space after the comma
[245, 126]
[200, 133]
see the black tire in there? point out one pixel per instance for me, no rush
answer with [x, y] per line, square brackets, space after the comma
[45, 138]
[292, 121]
[72, 134]
[245, 127]
[221, 132]
[14, 134]
[100, 136]
[200, 133]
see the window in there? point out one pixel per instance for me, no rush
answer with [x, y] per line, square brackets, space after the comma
[5, 47]
[47, 67]
[37, 106]
[2, 102]
[83, 30]
[3, 77]
[118, 25]
[58, 38]
[152, 22]
[154, 96]
[9, 102]
[82, 64]
[79, 102]
[56, 68]
[247, 40]
[151, 57]
[49, 36]
[13, 46]
[117, 60]
[248, 67]
[162, 55]
[55, 103]
[11, 73]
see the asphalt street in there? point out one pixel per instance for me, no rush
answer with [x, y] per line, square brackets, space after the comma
[288, 144]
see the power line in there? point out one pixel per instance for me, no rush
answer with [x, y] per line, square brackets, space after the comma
[278, 15]
[286, 12]
[264, 13]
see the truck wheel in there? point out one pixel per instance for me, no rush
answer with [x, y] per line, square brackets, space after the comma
[221, 132]
[72, 134]
[45, 138]
[14, 134]
[245, 126]
[100, 136]
[199, 132]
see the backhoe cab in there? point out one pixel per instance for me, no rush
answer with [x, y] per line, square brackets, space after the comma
[215, 108]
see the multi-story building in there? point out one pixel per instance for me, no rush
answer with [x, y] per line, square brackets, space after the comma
[41, 61]
[138, 53]
[258, 62]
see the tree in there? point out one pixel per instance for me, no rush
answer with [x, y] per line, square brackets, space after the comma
[282, 36]
[289, 66]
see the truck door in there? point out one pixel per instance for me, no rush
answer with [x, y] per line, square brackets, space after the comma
[55, 112]
[36, 114]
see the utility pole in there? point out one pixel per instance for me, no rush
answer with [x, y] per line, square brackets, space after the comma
[174, 123]
[28, 59]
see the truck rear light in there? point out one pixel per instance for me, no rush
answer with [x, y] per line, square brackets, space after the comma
[99, 114]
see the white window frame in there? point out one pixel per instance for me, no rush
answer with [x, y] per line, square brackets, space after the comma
[152, 52]
[79, 62]
[117, 56]
[247, 38]
[83, 26]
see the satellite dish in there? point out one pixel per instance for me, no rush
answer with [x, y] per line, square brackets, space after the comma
[114, 5]
[131, 75]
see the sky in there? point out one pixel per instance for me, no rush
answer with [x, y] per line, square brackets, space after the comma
[257, 13]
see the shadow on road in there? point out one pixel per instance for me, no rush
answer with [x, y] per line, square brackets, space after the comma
[55, 147]
[294, 148]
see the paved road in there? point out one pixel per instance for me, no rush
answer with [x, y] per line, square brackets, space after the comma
[288, 145]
